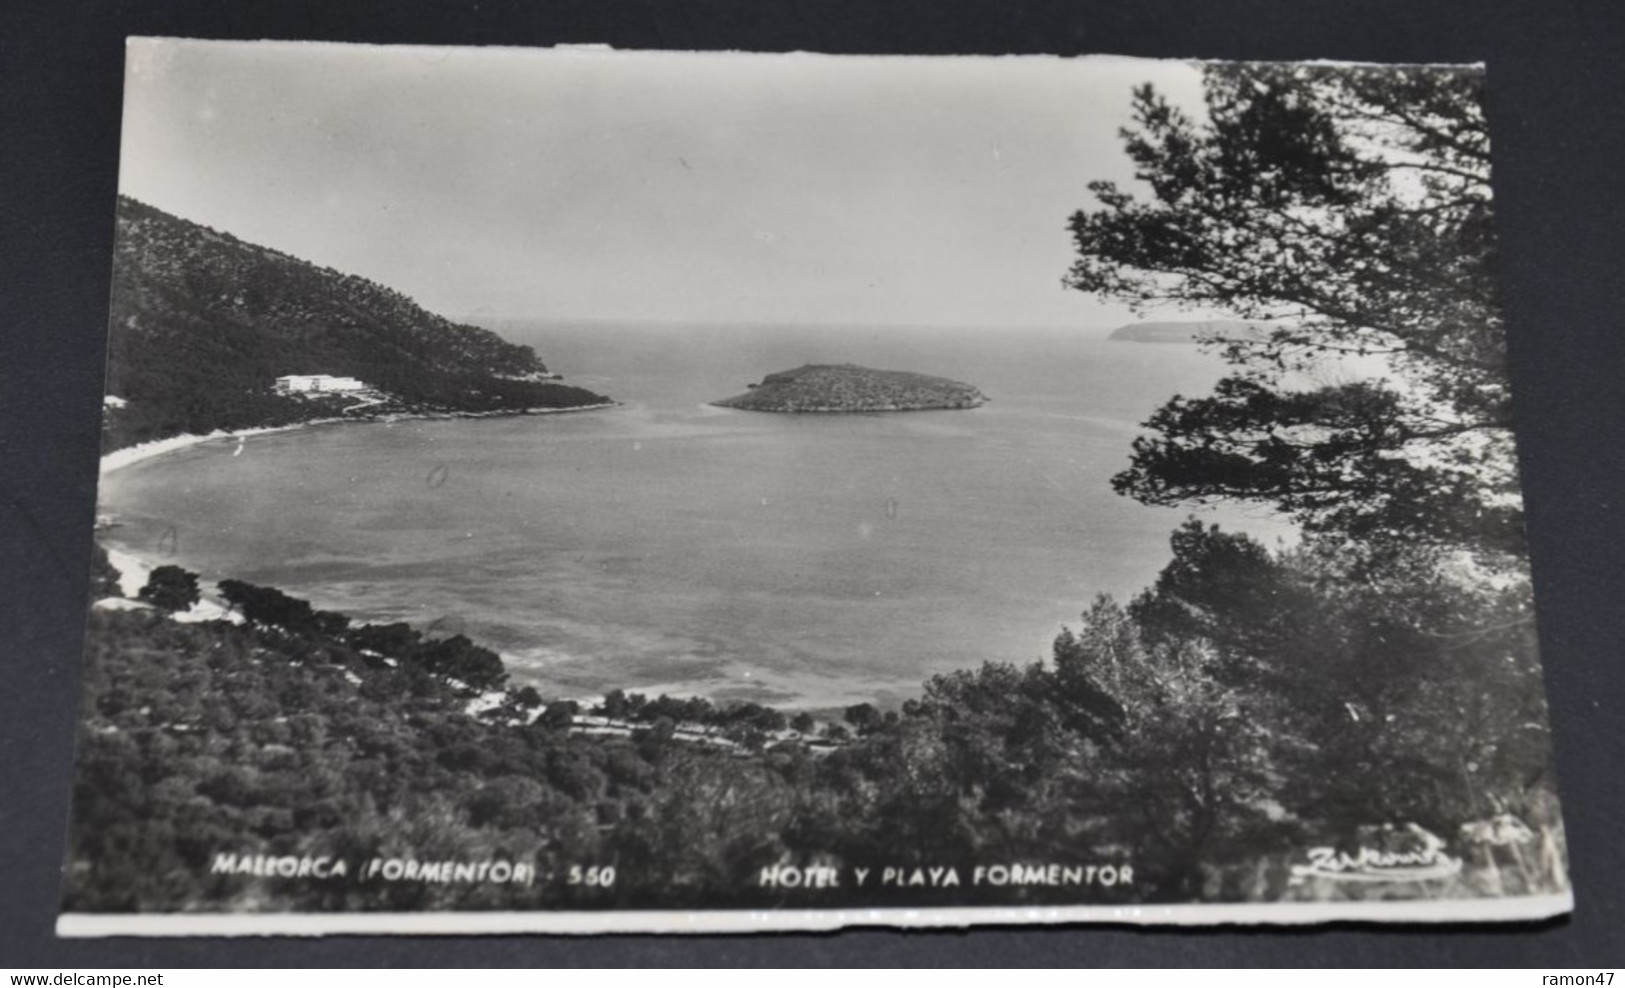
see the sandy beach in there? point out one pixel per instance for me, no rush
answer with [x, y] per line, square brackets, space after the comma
[121, 458]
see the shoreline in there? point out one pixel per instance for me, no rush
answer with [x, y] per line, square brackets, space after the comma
[118, 459]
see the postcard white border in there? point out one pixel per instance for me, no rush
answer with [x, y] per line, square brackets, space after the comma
[80, 925]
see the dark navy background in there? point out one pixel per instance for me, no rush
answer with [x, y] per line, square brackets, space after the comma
[1557, 112]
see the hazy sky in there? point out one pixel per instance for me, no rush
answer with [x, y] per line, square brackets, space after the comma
[773, 188]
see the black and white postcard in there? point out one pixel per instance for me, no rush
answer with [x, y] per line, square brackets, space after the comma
[583, 491]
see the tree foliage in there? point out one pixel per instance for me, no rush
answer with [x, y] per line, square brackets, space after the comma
[457, 658]
[1351, 208]
[271, 607]
[104, 576]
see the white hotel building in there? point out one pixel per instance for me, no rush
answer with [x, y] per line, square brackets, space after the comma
[294, 384]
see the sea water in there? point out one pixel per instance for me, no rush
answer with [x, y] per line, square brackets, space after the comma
[667, 545]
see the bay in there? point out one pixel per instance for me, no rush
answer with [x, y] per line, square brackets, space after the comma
[667, 545]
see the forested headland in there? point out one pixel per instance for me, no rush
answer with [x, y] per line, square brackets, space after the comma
[203, 324]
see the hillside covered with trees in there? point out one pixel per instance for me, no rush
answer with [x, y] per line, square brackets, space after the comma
[1200, 736]
[203, 324]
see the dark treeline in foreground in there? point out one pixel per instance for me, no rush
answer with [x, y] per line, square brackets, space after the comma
[203, 324]
[1207, 733]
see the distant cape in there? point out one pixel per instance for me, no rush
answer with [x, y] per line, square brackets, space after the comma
[1190, 332]
[850, 388]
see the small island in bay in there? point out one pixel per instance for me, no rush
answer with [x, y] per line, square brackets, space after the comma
[850, 388]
